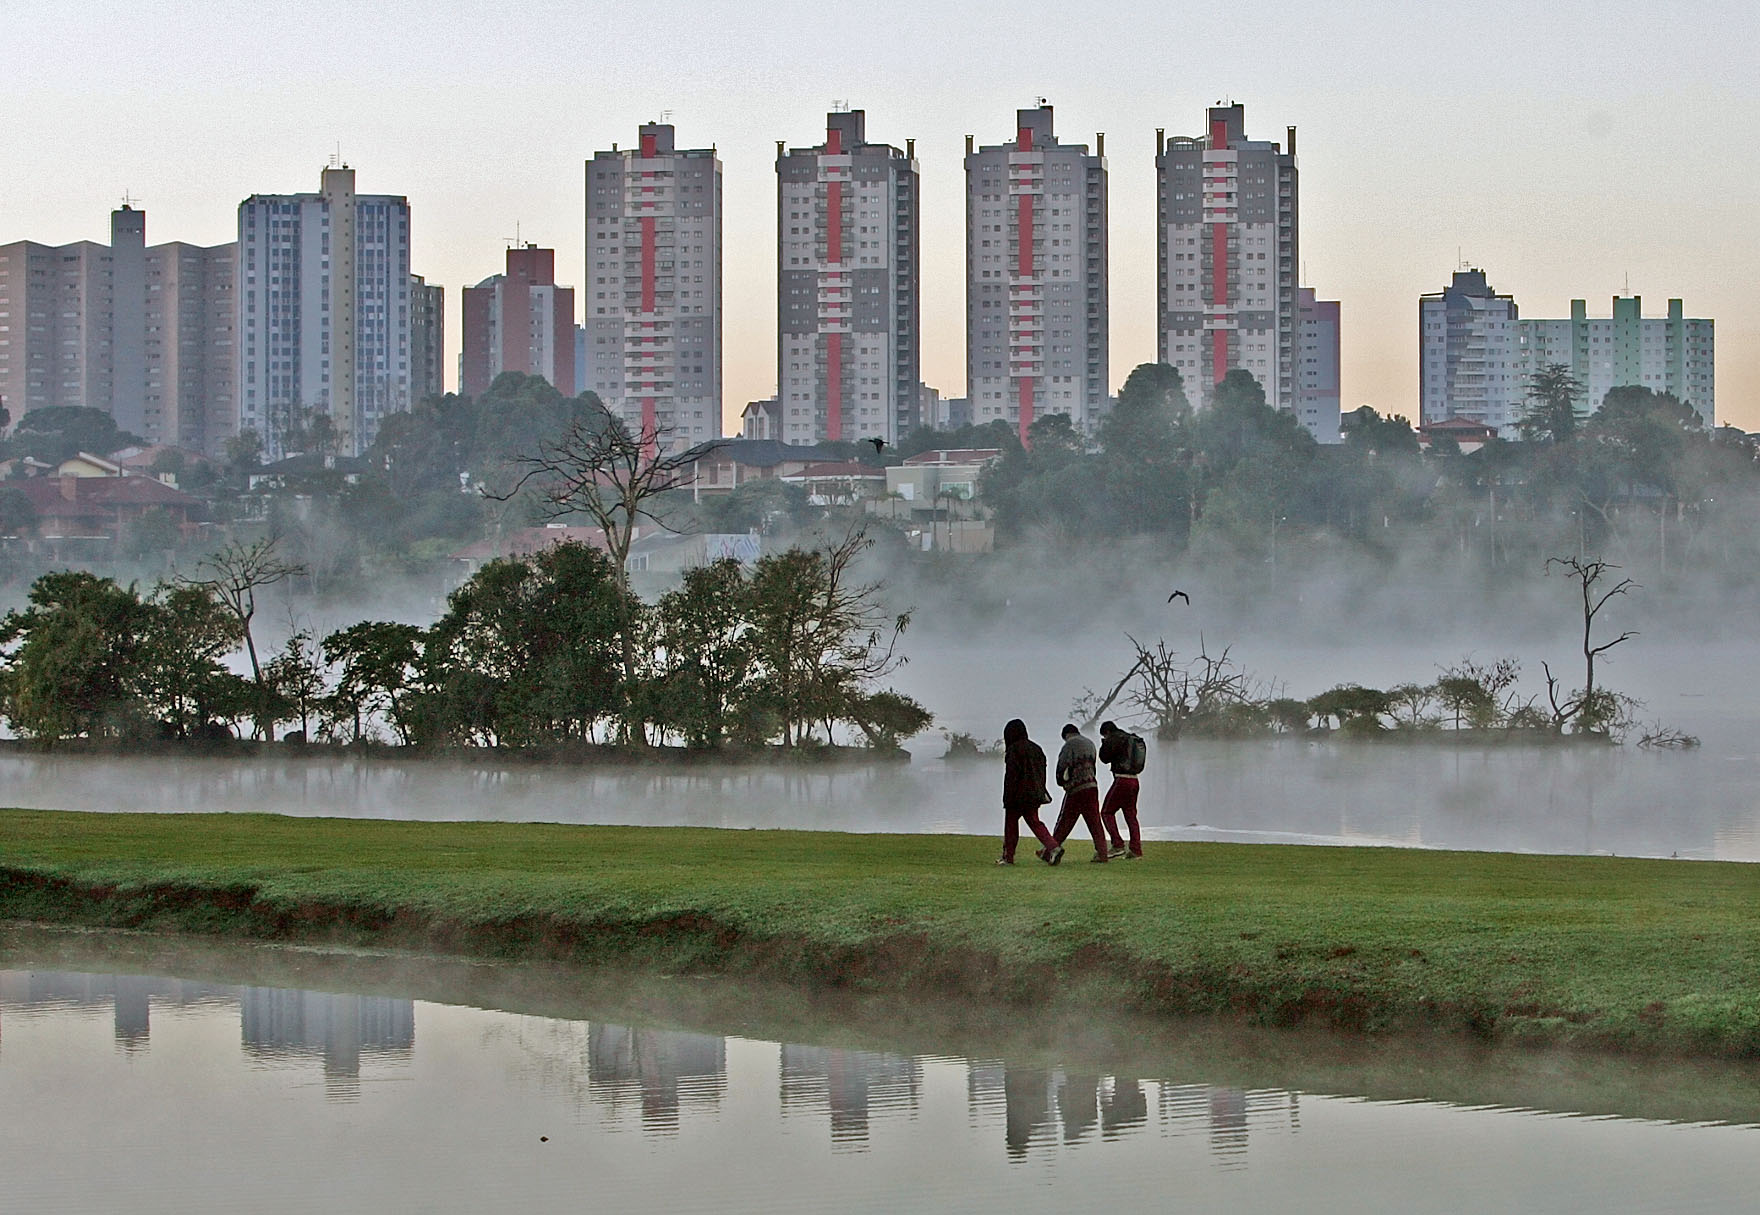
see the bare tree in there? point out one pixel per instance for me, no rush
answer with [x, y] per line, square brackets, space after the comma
[1161, 687]
[600, 469]
[234, 575]
[1589, 709]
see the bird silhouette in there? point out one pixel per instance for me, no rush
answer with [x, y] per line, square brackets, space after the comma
[879, 444]
[1180, 595]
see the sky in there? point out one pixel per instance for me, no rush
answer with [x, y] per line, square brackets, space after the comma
[1567, 149]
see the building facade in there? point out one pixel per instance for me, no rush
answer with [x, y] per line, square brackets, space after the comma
[1468, 365]
[847, 269]
[324, 311]
[427, 339]
[1675, 354]
[1228, 249]
[521, 321]
[1036, 276]
[1317, 365]
[653, 292]
[145, 333]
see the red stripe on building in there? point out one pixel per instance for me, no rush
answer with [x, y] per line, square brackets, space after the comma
[1026, 399]
[1024, 266]
[647, 263]
[1219, 295]
[834, 386]
[1024, 260]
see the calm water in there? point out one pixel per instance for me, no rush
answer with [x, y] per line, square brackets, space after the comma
[1699, 804]
[144, 1092]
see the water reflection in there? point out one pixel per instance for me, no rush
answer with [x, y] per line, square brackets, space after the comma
[651, 1076]
[114, 1087]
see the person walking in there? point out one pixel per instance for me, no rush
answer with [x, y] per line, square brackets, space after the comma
[1125, 754]
[1023, 791]
[1076, 774]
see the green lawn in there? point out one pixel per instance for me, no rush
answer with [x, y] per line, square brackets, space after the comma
[1651, 955]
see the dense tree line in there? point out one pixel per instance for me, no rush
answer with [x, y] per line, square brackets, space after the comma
[1238, 478]
[530, 652]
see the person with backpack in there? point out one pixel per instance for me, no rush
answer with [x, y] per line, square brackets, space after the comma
[1127, 754]
[1076, 765]
[1023, 791]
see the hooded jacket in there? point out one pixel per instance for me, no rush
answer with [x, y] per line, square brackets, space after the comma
[1023, 769]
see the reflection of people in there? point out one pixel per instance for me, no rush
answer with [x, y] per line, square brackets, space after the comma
[1123, 751]
[1076, 765]
[1023, 791]
[1122, 1106]
[1078, 1100]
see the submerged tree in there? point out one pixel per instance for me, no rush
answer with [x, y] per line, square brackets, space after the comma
[1590, 710]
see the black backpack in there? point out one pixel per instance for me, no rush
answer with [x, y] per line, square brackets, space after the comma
[1137, 756]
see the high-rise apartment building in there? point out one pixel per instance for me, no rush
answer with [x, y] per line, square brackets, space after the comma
[1468, 364]
[1317, 365]
[1675, 354]
[324, 310]
[145, 333]
[847, 267]
[1228, 248]
[519, 321]
[653, 291]
[1036, 277]
[427, 339]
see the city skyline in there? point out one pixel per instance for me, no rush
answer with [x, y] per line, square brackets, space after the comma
[1542, 168]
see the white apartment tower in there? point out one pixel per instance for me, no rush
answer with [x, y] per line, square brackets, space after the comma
[323, 311]
[653, 289]
[847, 266]
[1467, 354]
[1228, 249]
[1036, 282]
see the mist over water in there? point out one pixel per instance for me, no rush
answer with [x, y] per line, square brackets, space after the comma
[1697, 804]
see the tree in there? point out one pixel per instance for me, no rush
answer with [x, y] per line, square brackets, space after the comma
[1554, 405]
[17, 515]
[1588, 709]
[820, 638]
[529, 652]
[73, 658]
[295, 678]
[379, 662]
[702, 656]
[616, 478]
[59, 432]
[1146, 470]
[1391, 436]
[235, 574]
[1646, 433]
[184, 678]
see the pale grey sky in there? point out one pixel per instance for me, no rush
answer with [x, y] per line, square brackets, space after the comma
[1561, 147]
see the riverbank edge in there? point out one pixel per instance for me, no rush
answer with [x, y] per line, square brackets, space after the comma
[1063, 1035]
[912, 950]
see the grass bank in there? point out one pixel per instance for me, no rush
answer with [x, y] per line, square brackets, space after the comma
[1605, 953]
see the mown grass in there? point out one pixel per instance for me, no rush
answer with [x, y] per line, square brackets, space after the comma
[1603, 952]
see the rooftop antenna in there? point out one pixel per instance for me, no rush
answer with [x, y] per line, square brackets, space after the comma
[513, 242]
[665, 116]
[1628, 283]
[840, 107]
[128, 199]
[336, 156]
[1043, 102]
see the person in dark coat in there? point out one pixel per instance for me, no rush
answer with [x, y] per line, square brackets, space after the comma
[1023, 791]
[1115, 751]
[1077, 766]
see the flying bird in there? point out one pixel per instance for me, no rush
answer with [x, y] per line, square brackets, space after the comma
[879, 444]
[1180, 595]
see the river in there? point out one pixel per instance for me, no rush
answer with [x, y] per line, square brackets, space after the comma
[153, 1084]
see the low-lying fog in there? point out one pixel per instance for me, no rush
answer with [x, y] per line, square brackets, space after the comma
[1620, 800]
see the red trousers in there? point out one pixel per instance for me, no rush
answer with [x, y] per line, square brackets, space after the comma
[1122, 796]
[1011, 829]
[1082, 804]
